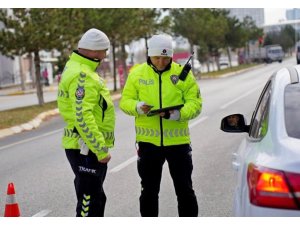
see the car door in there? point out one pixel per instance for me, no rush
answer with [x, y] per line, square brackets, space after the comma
[248, 149]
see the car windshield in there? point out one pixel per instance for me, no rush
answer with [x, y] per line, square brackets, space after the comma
[292, 110]
[275, 51]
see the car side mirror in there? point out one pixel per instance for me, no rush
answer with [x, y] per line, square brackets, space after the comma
[234, 123]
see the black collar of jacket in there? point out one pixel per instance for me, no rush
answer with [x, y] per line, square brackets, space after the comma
[94, 60]
[156, 70]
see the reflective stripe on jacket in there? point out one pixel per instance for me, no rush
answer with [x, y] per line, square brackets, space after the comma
[86, 106]
[161, 90]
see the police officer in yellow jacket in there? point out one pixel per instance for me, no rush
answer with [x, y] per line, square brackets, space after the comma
[165, 136]
[86, 106]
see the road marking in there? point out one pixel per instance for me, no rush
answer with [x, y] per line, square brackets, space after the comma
[123, 165]
[31, 139]
[42, 213]
[134, 158]
[198, 121]
[239, 98]
[113, 170]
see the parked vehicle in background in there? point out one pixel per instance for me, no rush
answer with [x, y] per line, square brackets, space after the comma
[268, 54]
[182, 57]
[268, 159]
[196, 67]
[223, 61]
[298, 52]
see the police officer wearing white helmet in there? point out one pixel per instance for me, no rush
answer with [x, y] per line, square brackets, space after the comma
[163, 135]
[86, 106]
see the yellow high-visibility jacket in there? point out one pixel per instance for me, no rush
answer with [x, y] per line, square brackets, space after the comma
[86, 106]
[145, 84]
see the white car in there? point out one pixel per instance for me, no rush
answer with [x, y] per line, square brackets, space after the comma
[268, 159]
[223, 61]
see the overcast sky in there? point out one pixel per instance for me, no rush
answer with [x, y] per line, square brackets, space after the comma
[148, 4]
[273, 15]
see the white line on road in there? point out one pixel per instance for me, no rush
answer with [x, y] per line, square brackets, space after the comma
[113, 170]
[134, 158]
[42, 213]
[123, 165]
[198, 121]
[31, 139]
[239, 98]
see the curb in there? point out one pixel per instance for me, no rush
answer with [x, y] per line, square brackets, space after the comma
[29, 91]
[233, 73]
[20, 93]
[35, 123]
[30, 125]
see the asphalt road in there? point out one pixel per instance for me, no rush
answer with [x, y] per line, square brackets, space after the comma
[37, 164]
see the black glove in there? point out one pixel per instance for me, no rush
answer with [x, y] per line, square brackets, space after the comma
[167, 115]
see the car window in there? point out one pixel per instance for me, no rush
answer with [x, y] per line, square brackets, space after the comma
[292, 110]
[259, 122]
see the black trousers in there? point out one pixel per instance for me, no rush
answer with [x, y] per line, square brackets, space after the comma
[89, 177]
[150, 163]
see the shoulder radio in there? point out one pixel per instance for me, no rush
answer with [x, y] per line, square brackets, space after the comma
[186, 69]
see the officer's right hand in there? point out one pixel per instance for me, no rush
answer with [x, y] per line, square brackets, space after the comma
[106, 159]
[143, 108]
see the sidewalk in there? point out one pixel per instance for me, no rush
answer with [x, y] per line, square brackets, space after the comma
[16, 90]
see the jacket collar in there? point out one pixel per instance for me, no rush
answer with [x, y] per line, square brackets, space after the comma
[92, 63]
[168, 67]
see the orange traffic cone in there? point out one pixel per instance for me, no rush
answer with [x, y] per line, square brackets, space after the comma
[11, 207]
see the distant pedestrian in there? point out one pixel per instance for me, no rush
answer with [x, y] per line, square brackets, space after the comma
[58, 77]
[86, 106]
[45, 76]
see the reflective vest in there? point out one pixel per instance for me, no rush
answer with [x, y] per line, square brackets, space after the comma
[86, 106]
[146, 84]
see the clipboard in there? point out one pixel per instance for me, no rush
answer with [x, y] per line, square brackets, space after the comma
[157, 111]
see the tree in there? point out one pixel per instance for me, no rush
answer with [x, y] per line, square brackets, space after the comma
[117, 24]
[202, 27]
[152, 21]
[234, 38]
[188, 23]
[251, 31]
[287, 38]
[27, 31]
[215, 36]
[123, 26]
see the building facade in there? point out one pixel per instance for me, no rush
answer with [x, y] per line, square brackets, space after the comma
[293, 14]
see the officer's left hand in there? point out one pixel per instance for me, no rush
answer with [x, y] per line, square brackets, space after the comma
[171, 115]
